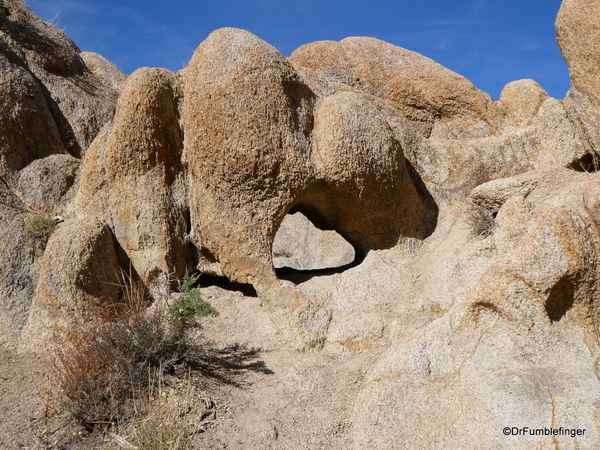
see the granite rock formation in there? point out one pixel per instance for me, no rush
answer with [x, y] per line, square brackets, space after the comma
[52, 106]
[457, 335]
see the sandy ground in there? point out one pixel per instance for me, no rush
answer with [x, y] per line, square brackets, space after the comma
[237, 396]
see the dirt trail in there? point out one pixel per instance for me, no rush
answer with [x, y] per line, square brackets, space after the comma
[23, 384]
[274, 398]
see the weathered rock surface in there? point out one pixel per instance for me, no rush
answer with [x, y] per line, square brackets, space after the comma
[454, 135]
[105, 70]
[80, 104]
[521, 101]
[23, 110]
[16, 285]
[44, 182]
[247, 118]
[299, 245]
[80, 267]
[51, 108]
[577, 35]
[508, 349]
[249, 121]
[144, 174]
[445, 338]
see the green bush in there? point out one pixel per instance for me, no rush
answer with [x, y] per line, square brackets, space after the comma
[39, 228]
[189, 307]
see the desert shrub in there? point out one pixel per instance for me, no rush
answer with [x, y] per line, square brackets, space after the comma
[38, 230]
[131, 299]
[480, 219]
[103, 369]
[189, 306]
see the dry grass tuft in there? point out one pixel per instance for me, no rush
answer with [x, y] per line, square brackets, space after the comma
[38, 230]
[103, 370]
[164, 427]
[480, 219]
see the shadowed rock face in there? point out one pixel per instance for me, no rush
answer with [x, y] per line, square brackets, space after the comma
[79, 103]
[51, 108]
[197, 170]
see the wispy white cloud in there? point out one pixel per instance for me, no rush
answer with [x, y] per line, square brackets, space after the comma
[119, 31]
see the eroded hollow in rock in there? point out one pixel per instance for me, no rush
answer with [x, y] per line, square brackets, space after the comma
[206, 280]
[299, 245]
[587, 163]
[560, 300]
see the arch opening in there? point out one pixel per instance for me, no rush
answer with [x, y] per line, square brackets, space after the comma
[305, 244]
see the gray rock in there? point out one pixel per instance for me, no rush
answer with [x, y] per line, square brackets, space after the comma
[300, 245]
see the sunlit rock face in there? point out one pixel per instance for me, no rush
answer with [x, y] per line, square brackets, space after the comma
[300, 245]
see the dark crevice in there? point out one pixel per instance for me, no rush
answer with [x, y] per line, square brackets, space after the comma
[124, 261]
[66, 132]
[431, 207]
[560, 299]
[188, 221]
[206, 280]
[587, 163]
[207, 254]
[300, 276]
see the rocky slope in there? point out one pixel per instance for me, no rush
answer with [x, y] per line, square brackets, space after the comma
[435, 337]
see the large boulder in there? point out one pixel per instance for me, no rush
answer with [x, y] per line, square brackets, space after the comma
[80, 267]
[43, 183]
[365, 191]
[30, 131]
[248, 120]
[132, 177]
[454, 135]
[521, 100]
[414, 86]
[80, 104]
[105, 70]
[144, 174]
[577, 35]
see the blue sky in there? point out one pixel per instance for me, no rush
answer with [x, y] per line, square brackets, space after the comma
[490, 42]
